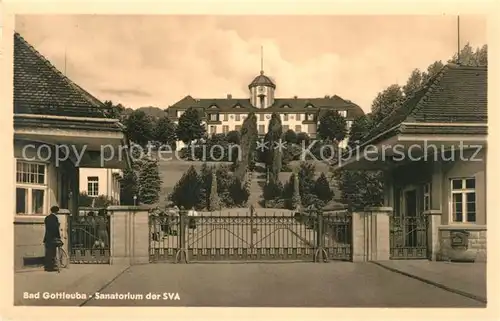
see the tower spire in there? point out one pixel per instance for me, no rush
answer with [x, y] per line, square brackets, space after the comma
[458, 39]
[261, 60]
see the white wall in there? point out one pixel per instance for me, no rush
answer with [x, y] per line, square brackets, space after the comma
[109, 184]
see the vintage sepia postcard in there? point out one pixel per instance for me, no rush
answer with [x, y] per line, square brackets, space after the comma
[246, 160]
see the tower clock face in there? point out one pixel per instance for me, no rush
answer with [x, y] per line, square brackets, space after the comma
[261, 89]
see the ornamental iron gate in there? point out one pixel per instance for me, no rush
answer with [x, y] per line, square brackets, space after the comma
[268, 236]
[89, 237]
[408, 237]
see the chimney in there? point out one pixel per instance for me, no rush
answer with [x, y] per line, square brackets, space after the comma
[229, 96]
[295, 97]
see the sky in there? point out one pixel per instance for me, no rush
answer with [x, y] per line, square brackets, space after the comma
[156, 60]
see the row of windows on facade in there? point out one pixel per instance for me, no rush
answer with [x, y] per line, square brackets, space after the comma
[261, 129]
[263, 117]
[31, 193]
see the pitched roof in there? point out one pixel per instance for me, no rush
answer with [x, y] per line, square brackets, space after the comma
[456, 94]
[291, 105]
[39, 88]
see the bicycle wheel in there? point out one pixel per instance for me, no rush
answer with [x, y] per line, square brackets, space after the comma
[62, 258]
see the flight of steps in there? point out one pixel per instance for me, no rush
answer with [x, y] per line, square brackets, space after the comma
[257, 181]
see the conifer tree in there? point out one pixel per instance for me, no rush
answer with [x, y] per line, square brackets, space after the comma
[128, 187]
[187, 191]
[215, 202]
[296, 200]
[149, 183]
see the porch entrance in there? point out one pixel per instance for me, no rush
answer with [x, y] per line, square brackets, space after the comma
[241, 236]
[89, 241]
[408, 230]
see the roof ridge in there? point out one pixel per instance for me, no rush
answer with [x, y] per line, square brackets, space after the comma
[473, 67]
[427, 86]
[68, 81]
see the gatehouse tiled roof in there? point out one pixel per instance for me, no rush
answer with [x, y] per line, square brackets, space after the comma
[39, 88]
[456, 95]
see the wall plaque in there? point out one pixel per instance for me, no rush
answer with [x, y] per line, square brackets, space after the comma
[459, 239]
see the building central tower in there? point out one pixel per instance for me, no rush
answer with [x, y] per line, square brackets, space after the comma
[262, 89]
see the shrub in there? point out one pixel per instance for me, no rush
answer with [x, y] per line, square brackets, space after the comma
[312, 199]
[100, 201]
[303, 138]
[233, 137]
[290, 137]
[273, 190]
[239, 192]
[360, 188]
[322, 189]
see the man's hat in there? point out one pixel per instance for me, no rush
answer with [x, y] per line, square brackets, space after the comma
[54, 209]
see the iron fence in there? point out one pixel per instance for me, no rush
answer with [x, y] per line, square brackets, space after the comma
[89, 237]
[408, 237]
[250, 236]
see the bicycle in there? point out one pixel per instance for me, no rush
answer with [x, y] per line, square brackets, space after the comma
[61, 258]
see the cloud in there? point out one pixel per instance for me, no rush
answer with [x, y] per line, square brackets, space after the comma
[157, 60]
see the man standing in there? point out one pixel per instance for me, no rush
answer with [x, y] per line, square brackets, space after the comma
[51, 239]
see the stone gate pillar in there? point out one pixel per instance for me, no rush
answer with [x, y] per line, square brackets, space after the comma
[129, 234]
[371, 234]
[433, 219]
[64, 217]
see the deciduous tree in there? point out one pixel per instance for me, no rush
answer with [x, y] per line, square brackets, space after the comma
[332, 126]
[190, 127]
[165, 132]
[386, 101]
[139, 128]
[413, 83]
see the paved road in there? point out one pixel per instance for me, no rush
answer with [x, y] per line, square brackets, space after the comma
[278, 285]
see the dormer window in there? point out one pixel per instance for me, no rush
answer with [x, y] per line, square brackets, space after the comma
[343, 113]
[213, 106]
[309, 106]
[286, 106]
